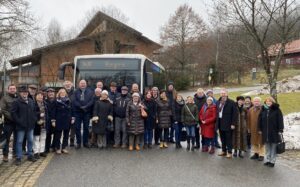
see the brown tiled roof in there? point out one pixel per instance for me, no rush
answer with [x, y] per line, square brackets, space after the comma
[290, 48]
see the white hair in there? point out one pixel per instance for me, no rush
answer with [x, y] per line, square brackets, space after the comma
[257, 98]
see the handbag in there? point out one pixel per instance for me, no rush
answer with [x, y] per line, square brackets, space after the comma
[183, 134]
[280, 148]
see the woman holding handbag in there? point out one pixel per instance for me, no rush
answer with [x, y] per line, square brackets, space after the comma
[189, 116]
[270, 125]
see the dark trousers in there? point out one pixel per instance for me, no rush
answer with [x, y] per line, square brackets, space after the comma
[178, 128]
[82, 118]
[208, 141]
[57, 138]
[164, 134]
[156, 135]
[197, 136]
[226, 138]
[49, 140]
[8, 129]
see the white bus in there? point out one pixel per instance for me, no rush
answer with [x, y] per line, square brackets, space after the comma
[124, 69]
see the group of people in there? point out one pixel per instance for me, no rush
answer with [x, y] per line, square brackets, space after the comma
[123, 117]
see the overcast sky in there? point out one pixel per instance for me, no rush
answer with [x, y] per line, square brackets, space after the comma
[147, 16]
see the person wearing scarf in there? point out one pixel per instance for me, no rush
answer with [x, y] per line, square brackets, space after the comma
[63, 119]
[240, 131]
[39, 129]
[270, 125]
[257, 146]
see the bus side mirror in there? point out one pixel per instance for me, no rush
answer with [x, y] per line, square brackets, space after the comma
[62, 69]
[149, 78]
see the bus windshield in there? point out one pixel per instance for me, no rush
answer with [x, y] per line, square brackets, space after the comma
[122, 71]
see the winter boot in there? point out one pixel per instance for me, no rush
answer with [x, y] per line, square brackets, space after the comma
[161, 145]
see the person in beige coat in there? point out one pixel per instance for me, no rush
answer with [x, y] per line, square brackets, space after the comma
[256, 139]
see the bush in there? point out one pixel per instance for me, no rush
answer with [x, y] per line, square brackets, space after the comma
[182, 82]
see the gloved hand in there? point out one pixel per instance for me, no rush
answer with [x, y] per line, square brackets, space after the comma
[53, 123]
[73, 120]
[42, 115]
[110, 118]
[95, 119]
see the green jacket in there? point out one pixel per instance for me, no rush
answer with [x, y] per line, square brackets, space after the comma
[186, 114]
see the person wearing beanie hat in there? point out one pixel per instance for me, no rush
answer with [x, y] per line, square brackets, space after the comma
[164, 111]
[102, 118]
[120, 118]
[240, 132]
[208, 117]
[135, 121]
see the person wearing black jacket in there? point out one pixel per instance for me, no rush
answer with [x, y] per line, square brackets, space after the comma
[50, 104]
[179, 104]
[226, 122]
[150, 119]
[120, 118]
[199, 100]
[24, 112]
[68, 85]
[171, 95]
[9, 125]
[270, 125]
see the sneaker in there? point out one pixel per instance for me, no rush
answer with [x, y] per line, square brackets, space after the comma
[267, 163]
[65, 151]
[260, 158]
[58, 151]
[18, 162]
[254, 157]
[5, 158]
[31, 159]
[229, 155]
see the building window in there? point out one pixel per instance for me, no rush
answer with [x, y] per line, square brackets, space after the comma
[98, 46]
[117, 46]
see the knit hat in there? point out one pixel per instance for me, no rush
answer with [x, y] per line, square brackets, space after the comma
[170, 83]
[209, 91]
[210, 98]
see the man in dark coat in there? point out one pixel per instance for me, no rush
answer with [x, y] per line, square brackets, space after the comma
[50, 103]
[83, 100]
[24, 115]
[200, 100]
[9, 125]
[227, 119]
[120, 117]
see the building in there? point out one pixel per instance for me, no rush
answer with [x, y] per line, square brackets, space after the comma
[102, 35]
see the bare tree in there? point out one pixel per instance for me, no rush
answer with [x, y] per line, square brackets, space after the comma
[54, 32]
[267, 22]
[184, 28]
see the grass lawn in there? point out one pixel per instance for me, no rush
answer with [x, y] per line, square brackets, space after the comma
[289, 102]
[261, 77]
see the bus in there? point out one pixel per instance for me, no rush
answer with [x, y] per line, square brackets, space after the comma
[124, 69]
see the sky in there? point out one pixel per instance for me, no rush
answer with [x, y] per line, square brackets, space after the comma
[146, 16]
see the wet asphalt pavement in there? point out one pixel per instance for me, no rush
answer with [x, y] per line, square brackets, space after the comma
[168, 167]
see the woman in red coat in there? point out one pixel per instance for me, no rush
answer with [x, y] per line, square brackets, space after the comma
[208, 116]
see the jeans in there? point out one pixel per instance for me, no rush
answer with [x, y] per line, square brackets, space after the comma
[9, 129]
[190, 130]
[178, 128]
[57, 138]
[148, 136]
[20, 138]
[164, 134]
[271, 152]
[226, 138]
[120, 126]
[81, 117]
